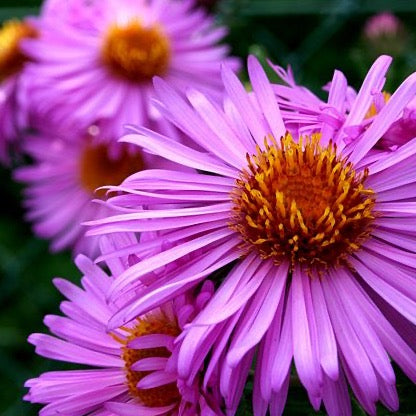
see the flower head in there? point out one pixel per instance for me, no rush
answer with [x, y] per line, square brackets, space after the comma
[97, 63]
[65, 175]
[302, 202]
[132, 369]
[316, 231]
[346, 112]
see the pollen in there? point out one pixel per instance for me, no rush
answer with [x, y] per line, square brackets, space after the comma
[12, 58]
[302, 202]
[99, 167]
[158, 396]
[135, 52]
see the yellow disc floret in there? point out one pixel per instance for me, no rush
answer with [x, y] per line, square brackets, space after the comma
[136, 52]
[164, 395]
[302, 202]
[12, 58]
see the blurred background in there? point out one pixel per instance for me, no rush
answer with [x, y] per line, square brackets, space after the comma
[314, 37]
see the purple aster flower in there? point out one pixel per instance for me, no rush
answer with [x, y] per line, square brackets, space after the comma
[305, 113]
[12, 62]
[403, 129]
[63, 179]
[133, 369]
[318, 235]
[96, 59]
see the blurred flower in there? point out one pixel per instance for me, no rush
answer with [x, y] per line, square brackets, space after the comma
[382, 25]
[133, 368]
[63, 179]
[12, 62]
[96, 59]
[383, 33]
[318, 235]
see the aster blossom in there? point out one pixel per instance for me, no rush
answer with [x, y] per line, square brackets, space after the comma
[66, 170]
[316, 231]
[305, 113]
[133, 369]
[98, 61]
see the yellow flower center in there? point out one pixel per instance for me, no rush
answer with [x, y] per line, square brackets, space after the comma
[158, 396]
[135, 52]
[11, 57]
[302, 202]
[98, 168]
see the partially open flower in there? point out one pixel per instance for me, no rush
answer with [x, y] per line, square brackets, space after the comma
[347, 113]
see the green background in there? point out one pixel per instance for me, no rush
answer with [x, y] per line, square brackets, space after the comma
[315, 37]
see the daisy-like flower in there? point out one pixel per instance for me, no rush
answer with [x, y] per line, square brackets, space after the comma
[318, 235]
[63, 179]
[133, 369]
[95, 59]
[12, 62]
[305, 113]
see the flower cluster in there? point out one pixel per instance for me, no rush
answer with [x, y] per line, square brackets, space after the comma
[313, 217]
[81, 72]
[225, 234]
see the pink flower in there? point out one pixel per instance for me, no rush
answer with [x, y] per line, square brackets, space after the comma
[381, 25]
[346, 113]
[131, 370]
[317, 233]
[63, 179]
[96, 59]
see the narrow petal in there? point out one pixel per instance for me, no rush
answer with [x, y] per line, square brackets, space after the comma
[156, 379]
[348, 342]
[328, 356]
[284, 352]
[336, 397]
[305, 359]
[397, 299]
[266, 98]
[250, 115]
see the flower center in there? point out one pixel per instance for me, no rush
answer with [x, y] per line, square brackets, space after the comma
[135, 52]
[99, 168]
[164, 395]
[302, 202]
[11, 58]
